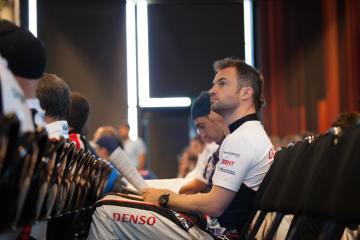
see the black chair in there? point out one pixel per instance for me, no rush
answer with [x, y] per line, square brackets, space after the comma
[98, 178]
[29, 212]
[9, 131]
[15, 180]
[313, 185]
[278, 178]
[335, 195]
[271, 185]
[78, 182]
[47, 169]
[343, 203]
[70, 176]
[63, 168]
[55, 179]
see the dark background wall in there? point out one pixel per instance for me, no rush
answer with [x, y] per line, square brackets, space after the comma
[185, 40]
[85, 42]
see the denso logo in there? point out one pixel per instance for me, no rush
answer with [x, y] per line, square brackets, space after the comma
[227, 162]
[135, 219]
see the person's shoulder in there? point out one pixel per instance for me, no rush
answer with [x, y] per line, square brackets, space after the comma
[250, 130]
[232, 143]
[250, 134]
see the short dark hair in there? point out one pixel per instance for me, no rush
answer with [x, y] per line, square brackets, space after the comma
[54, 96]
[201, 106]
[346, 119]
[78, 112]
[247, 77]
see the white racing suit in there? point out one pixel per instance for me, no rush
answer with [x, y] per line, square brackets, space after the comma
[119, 216]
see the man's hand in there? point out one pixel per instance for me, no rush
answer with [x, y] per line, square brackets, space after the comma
[152, 194]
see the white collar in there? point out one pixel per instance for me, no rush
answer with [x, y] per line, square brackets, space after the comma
[58, 129]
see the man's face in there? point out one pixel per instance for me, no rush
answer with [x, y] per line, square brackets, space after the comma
[102, 152]
[208, 130]
[123, 132]
[225, 91]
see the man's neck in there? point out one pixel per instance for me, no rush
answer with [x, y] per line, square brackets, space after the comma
[238, 113]
[48, 119]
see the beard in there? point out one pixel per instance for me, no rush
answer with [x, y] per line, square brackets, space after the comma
[219, 107]
[223, 108]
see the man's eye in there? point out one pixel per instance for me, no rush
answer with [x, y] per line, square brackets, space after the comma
[222, 83]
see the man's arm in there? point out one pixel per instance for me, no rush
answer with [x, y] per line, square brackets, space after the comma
[213, 203]
[195, 186]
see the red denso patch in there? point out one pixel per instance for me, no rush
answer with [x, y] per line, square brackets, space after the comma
[134, 219]
[227, 162]
[272, 153]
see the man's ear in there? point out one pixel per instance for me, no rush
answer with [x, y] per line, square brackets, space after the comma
[247, 92]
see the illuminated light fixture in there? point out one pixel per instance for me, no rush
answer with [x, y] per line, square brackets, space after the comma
[33, 17]
[165, 102]
[143, 66]
[131, 69]
[248, 32]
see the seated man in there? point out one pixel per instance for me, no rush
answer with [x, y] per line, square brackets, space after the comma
[54, 96]
[244, 156]
[212, 130]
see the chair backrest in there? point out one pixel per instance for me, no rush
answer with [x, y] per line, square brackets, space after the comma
[61, 180]
[29, 212]
[275, 166]
[9, 132]
[344, 197]
[15, 180]
[279, 178]
[321, 169]
[301, 173]
[54, 183]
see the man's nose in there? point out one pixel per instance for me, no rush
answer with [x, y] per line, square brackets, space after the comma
[212, 91]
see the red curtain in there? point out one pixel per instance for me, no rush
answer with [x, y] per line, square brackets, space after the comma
[309, 56]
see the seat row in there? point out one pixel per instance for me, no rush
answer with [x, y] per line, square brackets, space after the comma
[41, 179]
[317, 181]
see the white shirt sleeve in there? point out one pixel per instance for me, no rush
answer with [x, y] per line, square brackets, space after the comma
[235, 158]
[13, 98]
